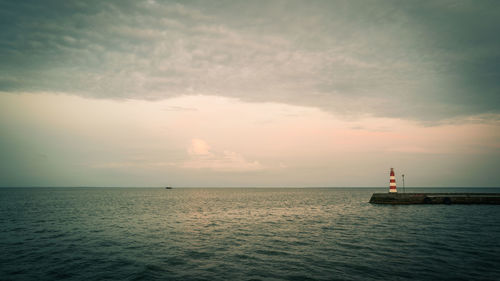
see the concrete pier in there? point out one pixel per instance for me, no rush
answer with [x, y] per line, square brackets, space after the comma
[435, 198]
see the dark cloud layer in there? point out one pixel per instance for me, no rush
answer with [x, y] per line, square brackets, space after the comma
[425, 60]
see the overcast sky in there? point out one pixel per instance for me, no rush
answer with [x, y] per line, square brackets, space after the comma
[249, 93]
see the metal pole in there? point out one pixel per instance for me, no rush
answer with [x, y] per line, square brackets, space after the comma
[404, 189]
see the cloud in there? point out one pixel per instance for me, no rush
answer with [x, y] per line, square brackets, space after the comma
[199, 147]
[202, 157]
[132, 164]
[422, 60]
[179, 108]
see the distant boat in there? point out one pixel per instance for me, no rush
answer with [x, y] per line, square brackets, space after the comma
[168, 187]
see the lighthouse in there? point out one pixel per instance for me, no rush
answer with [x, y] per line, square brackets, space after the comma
[392, 182]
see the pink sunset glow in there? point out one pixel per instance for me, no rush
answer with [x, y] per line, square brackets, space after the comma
[201, 139]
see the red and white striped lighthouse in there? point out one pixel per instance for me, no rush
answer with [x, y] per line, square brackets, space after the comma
[392, 182]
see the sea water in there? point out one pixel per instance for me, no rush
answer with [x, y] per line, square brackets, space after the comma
[241, 234]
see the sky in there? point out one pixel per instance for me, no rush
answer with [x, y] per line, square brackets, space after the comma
[249, 93]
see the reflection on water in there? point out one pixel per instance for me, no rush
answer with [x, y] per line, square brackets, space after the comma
[240, 234]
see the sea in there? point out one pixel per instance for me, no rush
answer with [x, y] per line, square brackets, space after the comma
[242, 234]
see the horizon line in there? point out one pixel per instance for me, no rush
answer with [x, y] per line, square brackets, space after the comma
[162, 187]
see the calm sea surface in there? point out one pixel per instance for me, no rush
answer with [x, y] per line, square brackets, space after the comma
[241, 234]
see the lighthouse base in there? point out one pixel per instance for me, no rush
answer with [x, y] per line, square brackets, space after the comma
[435, 198]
